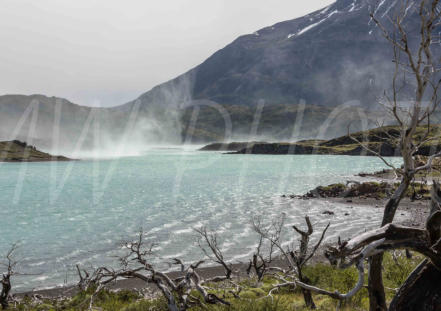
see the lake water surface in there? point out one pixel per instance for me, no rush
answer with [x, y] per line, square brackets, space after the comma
[79, 212]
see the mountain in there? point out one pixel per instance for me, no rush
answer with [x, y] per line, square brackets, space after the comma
[326, 58]
[327, 69]
[332, 57]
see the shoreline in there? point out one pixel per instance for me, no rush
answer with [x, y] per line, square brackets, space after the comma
[129, 284]
[55, 159]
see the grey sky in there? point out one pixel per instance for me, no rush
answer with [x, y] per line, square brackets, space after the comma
[107, 52]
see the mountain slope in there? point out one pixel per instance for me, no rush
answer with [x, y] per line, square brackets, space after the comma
[312, 58]
[332, 57]
[327, 58]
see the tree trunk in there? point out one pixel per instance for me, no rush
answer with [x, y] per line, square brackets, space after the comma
[421, 291]
[377, 296]
[308, 299]
[307, 296]
[6, 288]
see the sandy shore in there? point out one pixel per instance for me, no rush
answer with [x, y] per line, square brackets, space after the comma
[418, 210]
[135, 284]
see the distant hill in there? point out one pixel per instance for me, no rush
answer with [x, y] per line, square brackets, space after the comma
[277, 122]
[17, 151]
[153, 124]
[34, 119]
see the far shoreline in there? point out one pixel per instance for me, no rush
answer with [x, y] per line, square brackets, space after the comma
[378, 142]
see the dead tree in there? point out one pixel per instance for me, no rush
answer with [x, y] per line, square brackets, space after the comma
[296, 260]
[414, 60]
[178, 291]
[210, 240]
[262, 261]
[9, 265]
[260, 264]
[422, 289]
[302, 256]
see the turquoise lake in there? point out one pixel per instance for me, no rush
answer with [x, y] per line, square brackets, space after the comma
[80, 212]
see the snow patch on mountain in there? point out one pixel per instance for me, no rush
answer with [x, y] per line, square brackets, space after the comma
[357, 5]
[377, 8]
[389, 8]
[325, 9]
[309, 27]
[352, 8]
[407, 9]
[381, 4]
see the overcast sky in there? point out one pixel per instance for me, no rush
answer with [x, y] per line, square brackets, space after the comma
[107, 52]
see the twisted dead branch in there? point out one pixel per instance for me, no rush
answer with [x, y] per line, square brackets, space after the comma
[9, 265]
[391, 237]
[177, 291]
[295, 259]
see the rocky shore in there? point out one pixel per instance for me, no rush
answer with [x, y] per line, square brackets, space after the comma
[235, 146]
[369, 189]
[374, 194]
